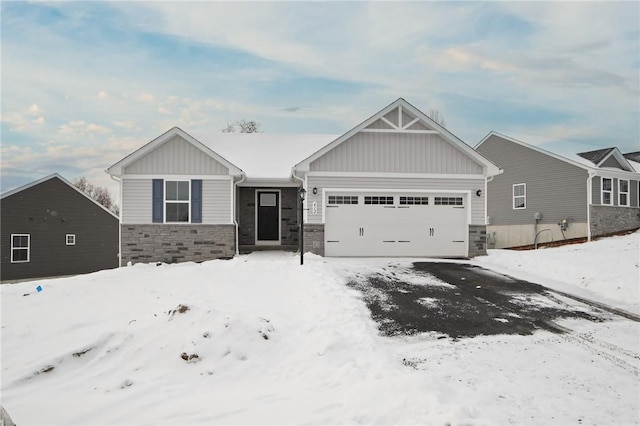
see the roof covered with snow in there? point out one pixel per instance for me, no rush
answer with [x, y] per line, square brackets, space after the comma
[263, 155]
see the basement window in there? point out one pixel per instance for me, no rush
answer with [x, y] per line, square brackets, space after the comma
[71, 239]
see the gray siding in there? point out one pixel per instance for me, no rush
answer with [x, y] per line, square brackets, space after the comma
[321, 182]
[48, 212]
[612, 162]
[178, 157]
[555, 188]
[137, 199]
[396, 152]
[596, 187]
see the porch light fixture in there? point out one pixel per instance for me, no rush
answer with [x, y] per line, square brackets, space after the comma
[302, 193]
[315, 190]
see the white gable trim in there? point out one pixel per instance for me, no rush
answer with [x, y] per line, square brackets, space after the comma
[56, 175]
[490, 169]
[117, 168]
[595, 171]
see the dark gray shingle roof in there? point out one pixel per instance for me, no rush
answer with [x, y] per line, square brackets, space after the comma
[633, 156]
[596, 156]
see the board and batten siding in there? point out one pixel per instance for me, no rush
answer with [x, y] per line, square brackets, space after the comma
[554, 187]
[137, 201]
[404, 184]
[176, 157]
[396, 153]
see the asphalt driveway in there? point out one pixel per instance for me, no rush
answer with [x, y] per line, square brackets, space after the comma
[461, 300]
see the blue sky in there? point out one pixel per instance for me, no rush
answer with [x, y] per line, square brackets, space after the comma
[86, 83]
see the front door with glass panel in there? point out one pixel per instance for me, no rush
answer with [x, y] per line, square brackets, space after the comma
[268, 217]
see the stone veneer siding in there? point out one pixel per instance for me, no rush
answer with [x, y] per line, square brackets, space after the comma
[247, 215]
[314, 238]
[176, 243]
[477, 240]
[609, 219]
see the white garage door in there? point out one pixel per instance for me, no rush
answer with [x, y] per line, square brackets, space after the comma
[396, 224]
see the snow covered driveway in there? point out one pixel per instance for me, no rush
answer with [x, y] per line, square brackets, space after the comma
[462, 300]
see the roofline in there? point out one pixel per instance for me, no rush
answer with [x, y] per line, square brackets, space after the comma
[49, 177]
[490, 168]
[116, 169]
[597, 170]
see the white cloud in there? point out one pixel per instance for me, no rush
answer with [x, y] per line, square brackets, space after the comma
[82, 128]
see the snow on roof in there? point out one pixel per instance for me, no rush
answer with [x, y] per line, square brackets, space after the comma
[263, 155]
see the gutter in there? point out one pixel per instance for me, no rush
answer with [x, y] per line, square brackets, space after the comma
[235, 209]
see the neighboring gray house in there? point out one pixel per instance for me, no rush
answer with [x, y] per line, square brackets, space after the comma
[542, 197]
[51, 228]
[398, 184]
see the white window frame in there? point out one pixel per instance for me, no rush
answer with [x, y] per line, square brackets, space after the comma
[28, 248]
[187, 202]
[517, 197]
[603, 191]
[627, 203]
[70, 239]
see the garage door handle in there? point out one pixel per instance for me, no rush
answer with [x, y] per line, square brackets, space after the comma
[362, 232]
[432, 231]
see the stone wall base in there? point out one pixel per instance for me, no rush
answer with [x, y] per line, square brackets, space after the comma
[606, 220]
[477, 240]
[176, 243]
[314, 238]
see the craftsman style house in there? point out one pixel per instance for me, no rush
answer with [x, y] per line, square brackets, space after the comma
[397, 184]
[543, 197]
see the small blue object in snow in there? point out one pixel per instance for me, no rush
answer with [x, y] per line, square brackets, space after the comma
[39, 288]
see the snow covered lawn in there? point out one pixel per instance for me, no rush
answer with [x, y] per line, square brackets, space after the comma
[262, 340]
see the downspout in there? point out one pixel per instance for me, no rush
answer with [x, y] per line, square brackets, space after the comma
[590, 176]
[235, 210]
[119, 219]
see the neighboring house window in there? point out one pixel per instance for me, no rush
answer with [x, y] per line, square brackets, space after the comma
[623, 192]
[447, 201]
[177, 198]
[20, 244]
[71, 239]
[607, 189]
[343, 199]
[520, 196]
[378, 200]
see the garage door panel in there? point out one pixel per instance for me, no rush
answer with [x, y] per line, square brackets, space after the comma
[422, 229]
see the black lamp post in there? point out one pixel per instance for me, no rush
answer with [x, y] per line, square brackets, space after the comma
[302, 194]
